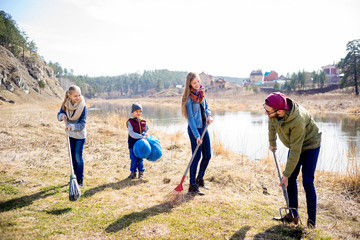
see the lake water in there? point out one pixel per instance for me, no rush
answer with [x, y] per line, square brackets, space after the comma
[246, 132]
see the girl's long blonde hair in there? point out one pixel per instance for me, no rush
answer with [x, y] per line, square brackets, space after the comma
[187, 88]
[70, 90]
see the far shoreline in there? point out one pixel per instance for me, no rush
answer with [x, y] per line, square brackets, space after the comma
[329, 103]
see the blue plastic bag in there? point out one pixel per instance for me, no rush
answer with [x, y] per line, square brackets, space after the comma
[156, 150]
[142, 148]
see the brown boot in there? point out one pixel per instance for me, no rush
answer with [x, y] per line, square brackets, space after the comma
[141, 175]
[287, 219]
[310, 224]
[195, 189]
[132, 175]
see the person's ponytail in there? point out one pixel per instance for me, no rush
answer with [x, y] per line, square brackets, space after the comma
[65, 99]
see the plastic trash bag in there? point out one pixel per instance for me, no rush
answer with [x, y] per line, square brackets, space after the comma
[142, 148]
[156, 150]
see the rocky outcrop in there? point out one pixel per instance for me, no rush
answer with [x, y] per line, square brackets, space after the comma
[26, 80]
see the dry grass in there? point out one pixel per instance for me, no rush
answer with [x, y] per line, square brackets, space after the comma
[218, 148]
[351, 181]
[242, 199]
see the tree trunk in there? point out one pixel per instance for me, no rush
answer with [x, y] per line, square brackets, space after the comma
[356, 84]
[23, 52]
[355, 78]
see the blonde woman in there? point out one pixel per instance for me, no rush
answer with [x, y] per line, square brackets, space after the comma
[74, 111]
[195, 108]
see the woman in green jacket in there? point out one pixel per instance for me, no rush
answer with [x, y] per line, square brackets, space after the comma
[298, 131]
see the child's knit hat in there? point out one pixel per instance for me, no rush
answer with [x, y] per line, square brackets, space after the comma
[136, 106]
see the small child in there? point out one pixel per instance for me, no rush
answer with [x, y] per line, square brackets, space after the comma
[137, 130]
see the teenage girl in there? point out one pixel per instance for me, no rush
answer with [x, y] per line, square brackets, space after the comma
[195, 108]
[74, 111]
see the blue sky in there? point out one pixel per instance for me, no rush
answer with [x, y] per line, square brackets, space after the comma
[227, 37]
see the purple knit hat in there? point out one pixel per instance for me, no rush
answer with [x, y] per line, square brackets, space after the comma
[277, 100]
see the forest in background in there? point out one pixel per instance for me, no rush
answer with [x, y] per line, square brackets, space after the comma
[125, 85]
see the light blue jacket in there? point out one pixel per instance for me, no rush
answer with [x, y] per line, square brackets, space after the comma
[194, 115]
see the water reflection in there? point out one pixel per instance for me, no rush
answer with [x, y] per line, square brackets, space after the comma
[159, 116]
[246, 132]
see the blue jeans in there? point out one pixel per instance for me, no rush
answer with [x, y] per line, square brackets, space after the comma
[136, 163]
[77, 147]
[308, 160]
[204, 149]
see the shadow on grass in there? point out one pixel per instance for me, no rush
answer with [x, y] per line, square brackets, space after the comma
[117, 186]
[281, 232]
[134, 217]
[58, 211]
[240, 235]
[28, 200]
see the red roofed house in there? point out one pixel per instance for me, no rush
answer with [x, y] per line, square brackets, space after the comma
[270, 76]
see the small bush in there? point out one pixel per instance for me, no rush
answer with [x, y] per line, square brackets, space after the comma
[255, 89]
[41, 84]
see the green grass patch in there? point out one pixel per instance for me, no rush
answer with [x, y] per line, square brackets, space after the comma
[8, 189]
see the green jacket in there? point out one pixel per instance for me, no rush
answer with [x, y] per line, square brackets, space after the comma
[297, 131]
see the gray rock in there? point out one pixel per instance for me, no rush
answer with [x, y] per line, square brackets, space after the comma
[20, 82]
[9, 86]
[3, 99]
[49, 73]
[33, 74]
[3, 77]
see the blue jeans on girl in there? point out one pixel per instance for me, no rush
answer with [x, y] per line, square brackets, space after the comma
[204, 149]
[77, 147]
[308, 160]
[136, 163]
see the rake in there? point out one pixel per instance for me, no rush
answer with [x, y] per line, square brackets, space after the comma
[177, 195]
[283, 210]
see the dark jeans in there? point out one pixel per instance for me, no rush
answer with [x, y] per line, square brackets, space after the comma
[308, 160]
[205, 150]
[136, 163]
[77, 147]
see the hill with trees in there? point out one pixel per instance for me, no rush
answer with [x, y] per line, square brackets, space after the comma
[24, 76]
